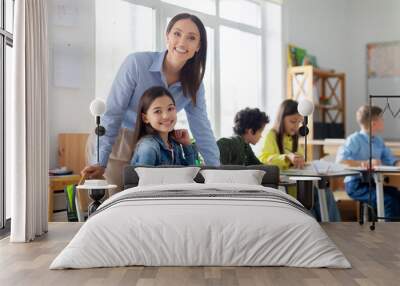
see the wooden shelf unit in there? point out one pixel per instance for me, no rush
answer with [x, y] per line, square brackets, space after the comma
[302, 81]
[316, 84]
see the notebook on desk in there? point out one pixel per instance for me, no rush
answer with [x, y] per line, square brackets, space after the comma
[324, 167]
[317, 168]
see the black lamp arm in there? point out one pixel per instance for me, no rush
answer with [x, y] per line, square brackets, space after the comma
[100, 131]
[305, 122]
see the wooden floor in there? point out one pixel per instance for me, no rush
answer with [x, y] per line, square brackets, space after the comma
[375, 257]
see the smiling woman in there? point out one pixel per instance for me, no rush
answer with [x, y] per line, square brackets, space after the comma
[180, 70]
[187, 47]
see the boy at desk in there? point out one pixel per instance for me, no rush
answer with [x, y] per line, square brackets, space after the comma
[355, 152]
[249, 123]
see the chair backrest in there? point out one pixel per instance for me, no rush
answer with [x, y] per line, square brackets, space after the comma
[270, 179]
[332, 146]
[72, 150]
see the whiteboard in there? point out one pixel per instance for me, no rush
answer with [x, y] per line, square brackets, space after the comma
[383, 69]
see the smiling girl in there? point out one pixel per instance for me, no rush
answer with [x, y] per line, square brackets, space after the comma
[155, 140]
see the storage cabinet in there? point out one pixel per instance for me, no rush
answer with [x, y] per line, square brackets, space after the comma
[327, 90]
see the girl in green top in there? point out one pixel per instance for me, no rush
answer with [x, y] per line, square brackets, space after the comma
[281, 148]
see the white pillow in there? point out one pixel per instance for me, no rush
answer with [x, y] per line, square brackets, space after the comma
[249, 177]
[164, 176]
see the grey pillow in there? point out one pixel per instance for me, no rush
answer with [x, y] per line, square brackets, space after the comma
[162, 176]
[248, 177]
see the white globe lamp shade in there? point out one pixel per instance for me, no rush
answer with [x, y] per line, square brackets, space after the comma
[305, 107]
[97, 107]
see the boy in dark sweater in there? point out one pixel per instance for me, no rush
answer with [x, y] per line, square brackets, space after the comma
[249, 123]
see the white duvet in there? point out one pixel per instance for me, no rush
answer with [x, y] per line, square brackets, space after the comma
[183, 231]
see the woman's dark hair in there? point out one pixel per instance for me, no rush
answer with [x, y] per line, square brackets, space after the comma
[141, 128]
[249, 118]
[192, 72]
[288, 107]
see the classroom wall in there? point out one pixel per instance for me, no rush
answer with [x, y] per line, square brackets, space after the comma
[337, 31]
[69, 99]
[373, 21]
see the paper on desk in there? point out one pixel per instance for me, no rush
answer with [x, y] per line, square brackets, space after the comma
[380, 168]
[387, 168]
[324, 167]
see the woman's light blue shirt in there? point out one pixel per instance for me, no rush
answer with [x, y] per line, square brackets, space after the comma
[139, 72]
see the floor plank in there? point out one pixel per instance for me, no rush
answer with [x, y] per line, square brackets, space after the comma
[374, 255]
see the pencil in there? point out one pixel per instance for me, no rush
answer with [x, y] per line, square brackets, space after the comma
[81, 180]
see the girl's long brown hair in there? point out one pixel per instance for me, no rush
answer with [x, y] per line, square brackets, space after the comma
[288, 107]
[141, 128]
[192, 73]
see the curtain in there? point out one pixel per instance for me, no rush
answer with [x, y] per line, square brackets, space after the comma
[29, 122]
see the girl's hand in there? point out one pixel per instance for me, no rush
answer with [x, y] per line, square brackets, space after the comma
[296, 160]
[182, 136]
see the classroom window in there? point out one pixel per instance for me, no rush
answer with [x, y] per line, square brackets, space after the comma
[205, 6]
[6, 43]
[9, 15]
[242, 11]
[8, 81]
[274, 68]
[2, 131]
[121, 28]
[240, 55]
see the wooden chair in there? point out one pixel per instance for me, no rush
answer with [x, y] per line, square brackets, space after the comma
[71, 153]
[72, 150]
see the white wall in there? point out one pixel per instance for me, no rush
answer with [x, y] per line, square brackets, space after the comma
[69, 107]
[321, 27]
[373, 21]
[337, 31]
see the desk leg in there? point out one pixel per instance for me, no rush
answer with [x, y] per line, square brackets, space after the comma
[379, 195]
[323, 206]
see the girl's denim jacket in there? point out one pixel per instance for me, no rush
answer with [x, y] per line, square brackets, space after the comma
[151, 150]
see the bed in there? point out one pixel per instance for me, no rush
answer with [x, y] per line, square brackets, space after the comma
[201, 224]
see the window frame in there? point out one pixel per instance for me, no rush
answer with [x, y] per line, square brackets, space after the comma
[163, 10]
[6, 39]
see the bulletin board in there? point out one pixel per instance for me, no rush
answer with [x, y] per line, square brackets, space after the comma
[383, 72]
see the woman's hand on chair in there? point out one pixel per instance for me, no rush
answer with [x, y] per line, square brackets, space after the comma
[93, 172]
